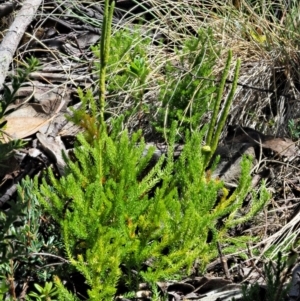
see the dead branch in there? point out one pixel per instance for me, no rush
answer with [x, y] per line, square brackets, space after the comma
[14, 35]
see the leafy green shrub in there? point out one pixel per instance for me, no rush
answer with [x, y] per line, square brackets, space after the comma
[127, 66]
[186, 92]
[125, 45]
[23, 236]
[186, 86]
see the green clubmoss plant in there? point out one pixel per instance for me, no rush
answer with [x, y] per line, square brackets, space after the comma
[120, 216]
[113, 215]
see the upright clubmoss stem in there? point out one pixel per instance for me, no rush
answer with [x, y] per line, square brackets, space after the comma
[104, 51]
[215, 129]
[221, 123]
[218, 99]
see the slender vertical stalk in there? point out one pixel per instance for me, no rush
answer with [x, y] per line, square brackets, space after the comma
[104, 50]
[214, 131]
[218, 100]
[221, 123]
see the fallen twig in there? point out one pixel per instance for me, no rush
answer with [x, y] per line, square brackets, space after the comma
[14, 35]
